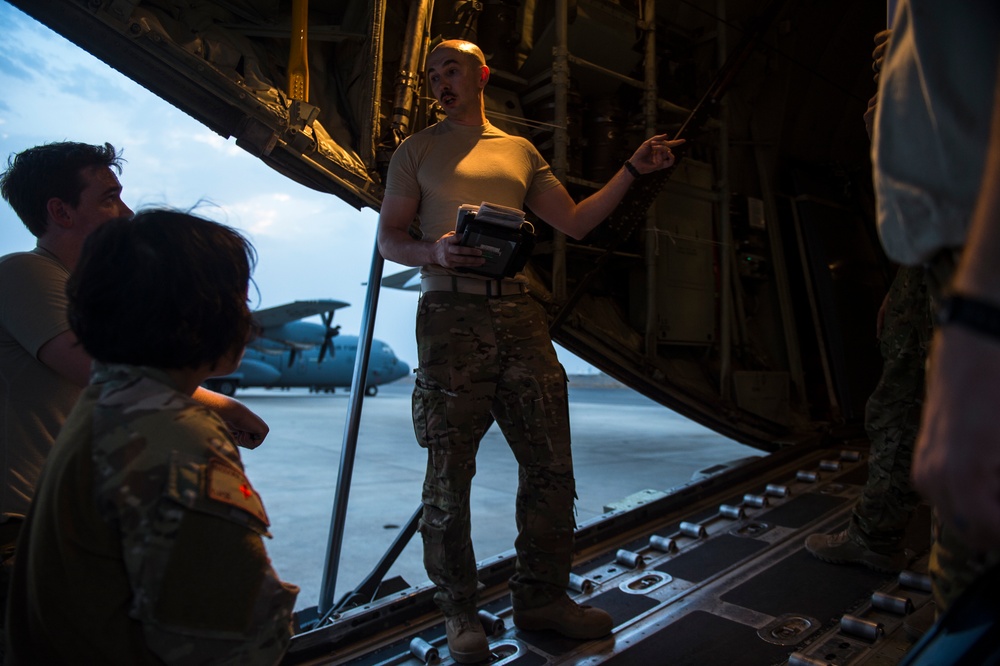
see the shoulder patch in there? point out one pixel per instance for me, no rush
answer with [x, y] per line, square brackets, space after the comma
[230, 486]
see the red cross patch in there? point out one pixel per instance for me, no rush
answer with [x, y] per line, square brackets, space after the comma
[229, 485]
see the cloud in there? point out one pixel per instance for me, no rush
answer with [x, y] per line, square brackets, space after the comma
[35, 55]
[216, 141]
[91, 84]
[14, 69]
[306, 225]
[310, 244]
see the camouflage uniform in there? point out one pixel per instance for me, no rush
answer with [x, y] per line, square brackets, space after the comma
[143, 543]
[483, 359]
[892, 416]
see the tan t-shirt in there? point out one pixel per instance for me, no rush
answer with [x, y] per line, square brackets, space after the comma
[447, 165]
[34, 400]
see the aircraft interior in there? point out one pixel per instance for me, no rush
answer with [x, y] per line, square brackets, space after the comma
[739, 288]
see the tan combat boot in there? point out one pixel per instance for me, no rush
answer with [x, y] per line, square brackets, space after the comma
[567, 618]
[466, 639]
[842, 548]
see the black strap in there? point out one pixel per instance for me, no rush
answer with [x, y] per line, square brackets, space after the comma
[971, 313]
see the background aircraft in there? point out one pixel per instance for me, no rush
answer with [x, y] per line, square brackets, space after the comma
[289, 353]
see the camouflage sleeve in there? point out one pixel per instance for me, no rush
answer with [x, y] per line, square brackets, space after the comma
[191, 527]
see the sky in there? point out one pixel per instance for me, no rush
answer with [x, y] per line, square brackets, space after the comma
[310, 245]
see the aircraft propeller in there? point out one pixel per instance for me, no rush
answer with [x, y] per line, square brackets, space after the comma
[331, 332]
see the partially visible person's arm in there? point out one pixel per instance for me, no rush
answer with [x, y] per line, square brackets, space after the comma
[878, 56]
[64, 355]
[576, 220]
[396, 244]
[68, 358]
[248, 429]
[33, 303]
[957, 458]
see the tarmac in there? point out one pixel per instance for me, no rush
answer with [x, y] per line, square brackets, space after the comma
[623, 444]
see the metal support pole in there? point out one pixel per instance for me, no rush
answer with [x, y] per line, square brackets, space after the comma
[725, 226]
[417, 28]
[560, 137]
[339, 517]
[648, 23]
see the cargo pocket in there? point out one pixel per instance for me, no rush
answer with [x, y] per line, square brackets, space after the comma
[539, 416]
[429, 410]
[531, 412]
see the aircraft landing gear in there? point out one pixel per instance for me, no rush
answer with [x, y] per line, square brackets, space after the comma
[226, 387]
[371, 391]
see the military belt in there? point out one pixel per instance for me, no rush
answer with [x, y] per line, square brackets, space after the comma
[464, 285]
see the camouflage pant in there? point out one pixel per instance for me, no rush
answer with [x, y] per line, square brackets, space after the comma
[9, 531]
[953, 565]
[482, 360]
[892, 415]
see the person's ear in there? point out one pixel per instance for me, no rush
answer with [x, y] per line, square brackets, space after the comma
[484, 75]
[58, 212]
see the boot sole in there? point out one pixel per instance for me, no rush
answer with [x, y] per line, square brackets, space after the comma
[542, 625]
[470, 657]
[887, 569]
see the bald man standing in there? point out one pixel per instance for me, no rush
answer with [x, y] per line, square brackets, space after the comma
[485, 353]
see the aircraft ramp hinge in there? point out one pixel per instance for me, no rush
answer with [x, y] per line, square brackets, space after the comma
[257, 138]
[301, 114]
[121, 9]
[300, 141]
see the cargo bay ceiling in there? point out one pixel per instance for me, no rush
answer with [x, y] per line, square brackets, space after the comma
[740, 289]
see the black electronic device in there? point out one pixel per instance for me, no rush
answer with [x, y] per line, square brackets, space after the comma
[501, 233]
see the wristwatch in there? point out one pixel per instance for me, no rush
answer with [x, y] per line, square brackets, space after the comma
[971, 313]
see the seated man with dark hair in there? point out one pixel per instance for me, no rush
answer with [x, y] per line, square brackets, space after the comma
[143, 544]
[61, 192]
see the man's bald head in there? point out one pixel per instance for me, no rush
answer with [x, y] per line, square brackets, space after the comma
[457, 74]
[466, 48]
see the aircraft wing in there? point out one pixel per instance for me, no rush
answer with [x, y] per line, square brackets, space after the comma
[289, 312]
[408, 280]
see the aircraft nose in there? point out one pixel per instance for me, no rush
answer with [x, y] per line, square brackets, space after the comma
[401, 370]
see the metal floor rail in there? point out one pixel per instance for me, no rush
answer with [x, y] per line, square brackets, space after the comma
[713, 573]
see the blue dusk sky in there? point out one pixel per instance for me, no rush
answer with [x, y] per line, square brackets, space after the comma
[310, 245]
